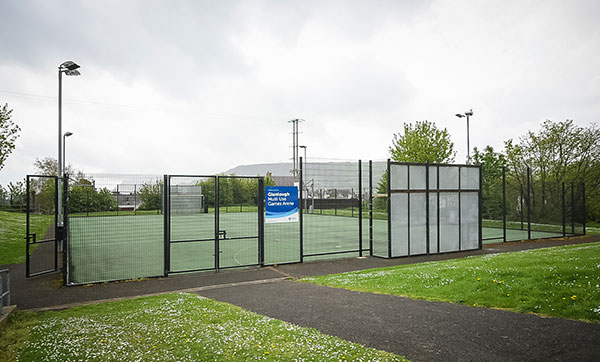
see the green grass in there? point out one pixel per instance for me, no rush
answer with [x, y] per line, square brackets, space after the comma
[560, 282]
[173, 327]
[12, 234]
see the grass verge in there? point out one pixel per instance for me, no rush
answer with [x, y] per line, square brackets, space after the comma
[173, 327]
[12, 234]
[560, 282]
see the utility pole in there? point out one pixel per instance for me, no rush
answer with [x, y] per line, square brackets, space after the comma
[295, 154]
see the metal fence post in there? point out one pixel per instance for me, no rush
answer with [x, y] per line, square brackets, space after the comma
[437, 179]
[459, 213]
[564, 216]
[584, 207]
[408, 207]
[134, 199]
[27, 234]
[65, 236]
[261, 221]
[480, 206]
[389, 207]
[504, 203]
[300, 215]
[427, 236]
[528, 204]
[217, 207]
[572, 209]
[360, 226]
[4, 293]
[166, 224]
[370, 207]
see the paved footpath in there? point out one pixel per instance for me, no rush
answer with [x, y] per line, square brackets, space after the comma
[420, 330]
[417, 329]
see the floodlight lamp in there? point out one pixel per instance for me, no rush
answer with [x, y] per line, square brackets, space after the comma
[68, 134]
[72, 72]
[469, 113]
[69, 65]
[459, 115]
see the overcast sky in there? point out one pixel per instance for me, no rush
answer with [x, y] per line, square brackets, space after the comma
[198, 87]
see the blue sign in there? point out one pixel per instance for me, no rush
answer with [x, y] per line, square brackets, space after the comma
[281, 204]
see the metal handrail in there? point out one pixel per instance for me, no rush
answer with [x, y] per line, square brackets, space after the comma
[2, 292]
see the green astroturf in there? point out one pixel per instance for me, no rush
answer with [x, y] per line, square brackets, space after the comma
[123, 247]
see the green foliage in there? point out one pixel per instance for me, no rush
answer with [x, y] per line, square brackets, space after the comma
[422, 142]
[233, 191]
[491, 185]
[533, 281]
[86, 198]
[172, 327]
[16, 194]
[380, 203]
[9, 132]
[559, 152]
[48, 166]
[151, 196]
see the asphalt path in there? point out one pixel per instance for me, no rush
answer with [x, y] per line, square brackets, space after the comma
[418, 329]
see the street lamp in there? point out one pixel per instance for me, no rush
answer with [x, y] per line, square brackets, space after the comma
[311, 181]
[304, 154]
[467, 114]
[64, 150]
[69, 68]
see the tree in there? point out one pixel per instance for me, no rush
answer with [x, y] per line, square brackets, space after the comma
[48, 166]
[422, 142]
[559, 152]
[491, 163]
[17, 193]
[151, 196]
[9, 132]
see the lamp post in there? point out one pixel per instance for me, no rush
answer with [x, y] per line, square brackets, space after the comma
[69, 68]
[467, 114]
[64, 151]
[312, 181]
[304, 156]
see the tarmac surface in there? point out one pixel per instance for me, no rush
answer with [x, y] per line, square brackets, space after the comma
[419, 330]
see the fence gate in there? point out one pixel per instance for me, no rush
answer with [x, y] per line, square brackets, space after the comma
[240, 218]
[212, 222]
[42, 217]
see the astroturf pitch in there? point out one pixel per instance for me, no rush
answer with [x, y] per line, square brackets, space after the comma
[123, 247]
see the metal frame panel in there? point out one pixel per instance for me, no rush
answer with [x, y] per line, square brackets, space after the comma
[31, 238]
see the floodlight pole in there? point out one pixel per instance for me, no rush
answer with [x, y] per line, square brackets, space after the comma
[69, 68]
[59, 171]
[467, 114]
